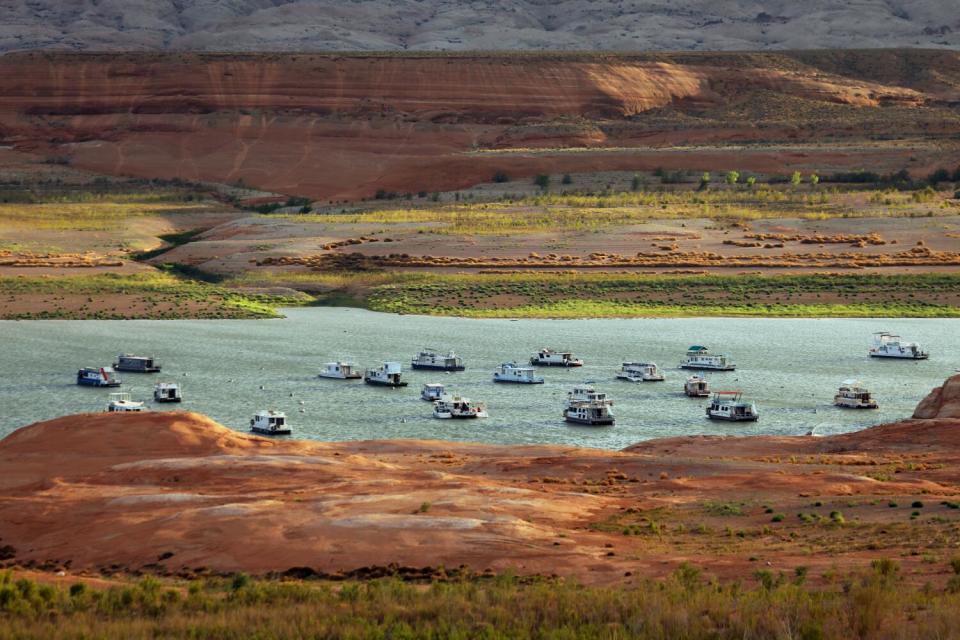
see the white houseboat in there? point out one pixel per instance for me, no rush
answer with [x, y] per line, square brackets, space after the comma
[551, 358]
[586, 406]
[436, 361]
[386, 375]
[431, 391]
[120, 402]
[93, 377]
[342, 369]
[512, 372]
[853, 395]
[696, 386]
[167, 392]
[699, 357]
[729, 406]
[136, 364]
[890, 345]
[270, 423]
[640, 372]
[458, 407]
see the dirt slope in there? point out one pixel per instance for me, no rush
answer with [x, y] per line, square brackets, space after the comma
[342, 127]
[175, 492]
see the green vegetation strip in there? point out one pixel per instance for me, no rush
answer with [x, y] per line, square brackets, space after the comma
[600, 295]
[875, 603]
[148, 295]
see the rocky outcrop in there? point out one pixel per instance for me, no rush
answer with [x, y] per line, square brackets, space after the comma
[445, 25]
[176, 493]
[942, 402]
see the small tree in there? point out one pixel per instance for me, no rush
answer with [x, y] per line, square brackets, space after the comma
[566, 179]
[814, 179]
[704, 180]
[751, 180]
[733, 177]
[542, 181]
[501, 176]
[796, 178]
[635, 183]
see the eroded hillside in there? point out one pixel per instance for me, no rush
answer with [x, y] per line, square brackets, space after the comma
[343, 127]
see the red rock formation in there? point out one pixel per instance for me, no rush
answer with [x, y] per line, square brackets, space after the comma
[175, 491]
[942, 402]
[345, 126]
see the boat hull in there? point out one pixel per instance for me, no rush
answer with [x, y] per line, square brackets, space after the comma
[640, 378]
[271, 432]
[697, 394]
[129, 369]
[437, 367]
[168, 399]
[455, 416]
[901, 356]
[844, 405]
[508, 381]
[724, 418]
[382, 383]
[341, 377]
[591, 422]
[706, 367]
[96, 383]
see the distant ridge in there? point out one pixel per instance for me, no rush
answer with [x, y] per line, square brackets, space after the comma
[450, 25]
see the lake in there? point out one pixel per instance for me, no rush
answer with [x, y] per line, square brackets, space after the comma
[232, 368]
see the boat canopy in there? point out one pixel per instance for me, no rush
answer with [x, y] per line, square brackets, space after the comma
[697, 347]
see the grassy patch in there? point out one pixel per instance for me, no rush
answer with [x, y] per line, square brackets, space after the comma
[875, 603]
[602, 295]
[95, 212]
[585, 212]
[112, 296]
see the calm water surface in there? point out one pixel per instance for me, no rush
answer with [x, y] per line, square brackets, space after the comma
[790, 368]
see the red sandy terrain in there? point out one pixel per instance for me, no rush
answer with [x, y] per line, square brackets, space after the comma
[342, 127]
[176, 492]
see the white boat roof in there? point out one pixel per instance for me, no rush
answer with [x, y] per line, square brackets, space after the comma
[270, 413]
[433, 385]
[851, 382]
[514, 365]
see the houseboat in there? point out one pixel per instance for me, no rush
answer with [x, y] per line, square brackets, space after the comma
[136, 364]
[342, 369]
[586, 406]
[93, 377]
[512, 372]
[640, 372]
[853, 395]
[167, 392]
[696, 386]
[386, 375]
[270, 423]
[699, 357]
[436, 361]
[120, 402]
[551, 358]
[458, 407]
[729, 406]
[431, 392]
[890, 345]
